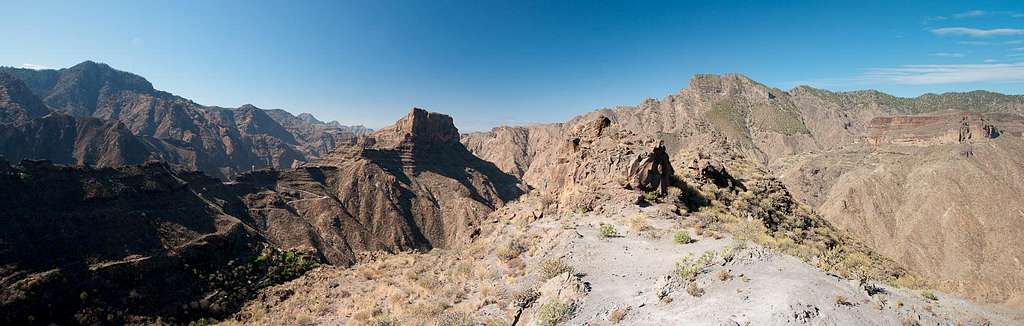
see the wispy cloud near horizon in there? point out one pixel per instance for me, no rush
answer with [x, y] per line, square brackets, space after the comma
[946, 74]
[977, 32]
[948, 54]
[34, 66]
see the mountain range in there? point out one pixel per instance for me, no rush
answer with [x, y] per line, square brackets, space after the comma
[137, 122]
[885, 192]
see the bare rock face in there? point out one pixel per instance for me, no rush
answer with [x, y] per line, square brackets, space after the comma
[413, 185]
[17, 103]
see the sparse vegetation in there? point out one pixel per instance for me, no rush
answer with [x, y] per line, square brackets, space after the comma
[510, 250]
[553, 312]
[455, 319]
[929, 295]
[639, 223]
[607, 231]
[724, 275]
[694, 290]
[651, 196]
[682, 237]
[583, 209]
[688, 268]
[554, 267]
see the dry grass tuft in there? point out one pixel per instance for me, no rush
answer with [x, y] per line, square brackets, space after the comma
[694, 290]
[510, 250]
[724, 275]
[554, 267]
[639, 223]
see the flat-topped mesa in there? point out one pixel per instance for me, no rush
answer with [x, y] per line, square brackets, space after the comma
[418, 129]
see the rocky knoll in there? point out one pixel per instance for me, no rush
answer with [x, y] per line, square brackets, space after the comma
[221, 142]
[835, 151]
[415, 182]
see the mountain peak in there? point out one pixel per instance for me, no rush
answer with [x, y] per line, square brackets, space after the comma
[309, 118]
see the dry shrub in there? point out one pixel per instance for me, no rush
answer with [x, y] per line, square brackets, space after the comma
[639, 223]
[694, 290]
[724, 275]
[553, 313]
[510, 250]
[554, 267]
[454, 319]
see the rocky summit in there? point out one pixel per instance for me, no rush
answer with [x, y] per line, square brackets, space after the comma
[727, 203]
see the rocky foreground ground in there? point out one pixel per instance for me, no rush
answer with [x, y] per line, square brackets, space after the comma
[539, 267]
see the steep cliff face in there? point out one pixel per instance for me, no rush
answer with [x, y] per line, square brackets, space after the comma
[413, 185]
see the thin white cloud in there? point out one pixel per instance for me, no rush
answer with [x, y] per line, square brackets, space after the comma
[1015, 55]
[990, 60]
[977, 32]
[948, 54]
[1010, 42]
[968, 14]
[946, 74]
[1019, 49]
[33, 66]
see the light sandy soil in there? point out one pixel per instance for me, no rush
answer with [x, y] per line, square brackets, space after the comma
[763, 288]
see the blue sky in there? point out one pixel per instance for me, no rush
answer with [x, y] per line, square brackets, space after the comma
[516, 62]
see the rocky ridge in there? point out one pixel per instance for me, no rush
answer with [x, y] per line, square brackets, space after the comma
[821, 143]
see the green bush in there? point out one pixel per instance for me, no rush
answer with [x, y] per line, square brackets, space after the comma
[651, 196]
[607, 231]
[682, 237]
[688, 268]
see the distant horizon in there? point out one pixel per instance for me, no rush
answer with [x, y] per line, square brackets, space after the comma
[456, 118]
[497, 63]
